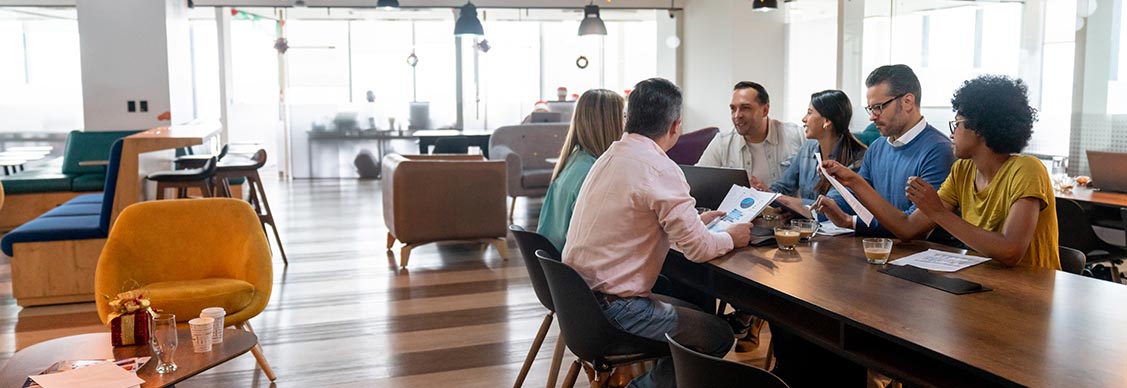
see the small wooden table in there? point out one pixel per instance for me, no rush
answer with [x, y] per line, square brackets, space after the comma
[36, 358]
[1093, 196]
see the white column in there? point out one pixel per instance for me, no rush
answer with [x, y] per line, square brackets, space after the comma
[226, 83]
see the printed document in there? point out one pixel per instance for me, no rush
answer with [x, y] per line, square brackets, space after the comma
[742, 204]
[864, 214]
[101, 375]
[940, 261]
[827, 228]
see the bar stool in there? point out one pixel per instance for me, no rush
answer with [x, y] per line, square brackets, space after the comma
[249, 169]
[181, 180]
[197, 161]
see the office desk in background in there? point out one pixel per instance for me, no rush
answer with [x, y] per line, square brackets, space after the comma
[425, 137]
[1038, 327]
[1096, 197]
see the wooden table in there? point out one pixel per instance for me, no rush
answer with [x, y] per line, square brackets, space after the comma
[36, 358]
[135, 165]
[1096, 197]
[1038, 327]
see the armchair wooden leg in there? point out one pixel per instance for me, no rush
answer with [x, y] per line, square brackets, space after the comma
[557, 358]
[390, 240]
[536, 343]
[502, 247]
[512, 207]
[405, 254]
[572, 375]
[258, 356]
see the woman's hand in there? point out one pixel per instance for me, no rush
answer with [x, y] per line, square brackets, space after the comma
[827, 206]
[923, 195]
[756, 183]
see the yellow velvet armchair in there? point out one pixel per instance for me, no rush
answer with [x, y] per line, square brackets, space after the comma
[187, 255]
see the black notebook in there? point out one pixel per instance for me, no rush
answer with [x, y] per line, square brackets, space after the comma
[922, 276]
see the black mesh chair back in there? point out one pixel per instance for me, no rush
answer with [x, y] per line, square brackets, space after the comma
[529, 243]
[1075, 229]
[452, 145]
[697, 370]
[586, 330]
[1071, 260]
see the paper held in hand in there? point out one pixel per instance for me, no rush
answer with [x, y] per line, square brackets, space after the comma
[864, 214]
[940, 261]
[742, 204]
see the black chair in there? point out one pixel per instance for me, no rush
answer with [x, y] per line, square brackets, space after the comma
[452, 145]
[697, 370]
[1072, 261]
[529, 243]
[588, 333]
[182, 180]
[198, 160]
[1076, 232]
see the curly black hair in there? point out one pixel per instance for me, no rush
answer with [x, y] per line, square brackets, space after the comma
[997, 108]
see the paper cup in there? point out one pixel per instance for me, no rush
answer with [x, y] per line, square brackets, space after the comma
[217, 314]
[201, 334]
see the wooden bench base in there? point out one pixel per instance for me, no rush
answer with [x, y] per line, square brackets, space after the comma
[20, 208]
[55, 272]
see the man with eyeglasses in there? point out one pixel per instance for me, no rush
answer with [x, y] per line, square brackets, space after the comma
[758, 144]
[908, 147]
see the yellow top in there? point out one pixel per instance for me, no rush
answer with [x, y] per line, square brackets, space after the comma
[1020, 177]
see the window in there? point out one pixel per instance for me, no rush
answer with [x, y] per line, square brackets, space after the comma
[40, 71]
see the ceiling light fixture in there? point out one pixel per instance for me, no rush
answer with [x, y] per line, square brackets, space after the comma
[592, 24]
[387, 4]
[468, 24]
[764, 5]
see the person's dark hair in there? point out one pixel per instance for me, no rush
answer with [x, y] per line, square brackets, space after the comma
[996, 107]
[901, 79]
[652, 107]
[760, 92]
[834, 105]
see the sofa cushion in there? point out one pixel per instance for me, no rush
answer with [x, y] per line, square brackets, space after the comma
[186, 298]
[54, 229]
[535, 178]
[74, 209]
[36, 181]
[85, 198]
[88, 182]
[87, 146]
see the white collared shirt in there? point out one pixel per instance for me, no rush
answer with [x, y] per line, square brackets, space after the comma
[907, 137]
[729, 149]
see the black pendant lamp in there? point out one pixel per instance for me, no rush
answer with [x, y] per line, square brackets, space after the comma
[592, 24]
[764, 5]
[467, 23]
[387, 4]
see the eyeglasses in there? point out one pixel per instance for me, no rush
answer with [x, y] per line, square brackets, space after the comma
[878, 108]
[954, 124]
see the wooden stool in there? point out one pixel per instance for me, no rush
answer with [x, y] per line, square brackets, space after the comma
[181, 180]
[249, 170]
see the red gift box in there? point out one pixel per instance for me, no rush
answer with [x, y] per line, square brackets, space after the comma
[131, 328]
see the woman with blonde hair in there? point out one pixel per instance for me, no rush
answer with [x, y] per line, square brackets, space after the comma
[598, 122]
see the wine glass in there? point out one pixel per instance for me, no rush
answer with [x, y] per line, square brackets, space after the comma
[164, 341]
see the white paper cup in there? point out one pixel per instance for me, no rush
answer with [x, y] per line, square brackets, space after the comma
[201, 334]
[217, 314]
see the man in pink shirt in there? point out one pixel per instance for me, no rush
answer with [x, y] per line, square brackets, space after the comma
[635, 205]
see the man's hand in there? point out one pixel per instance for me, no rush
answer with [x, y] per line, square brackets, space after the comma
[924, 196]
[741, 234]
[711, 215]
[756, 183]
[827, 206]
[843, 174]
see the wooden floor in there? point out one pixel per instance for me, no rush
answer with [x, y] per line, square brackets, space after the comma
[342, 314]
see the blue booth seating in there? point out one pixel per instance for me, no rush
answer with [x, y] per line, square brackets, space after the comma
[83, 217]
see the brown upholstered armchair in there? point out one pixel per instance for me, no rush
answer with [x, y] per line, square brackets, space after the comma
[429, 198]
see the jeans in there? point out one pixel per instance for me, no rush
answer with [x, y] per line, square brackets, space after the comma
[656, 315]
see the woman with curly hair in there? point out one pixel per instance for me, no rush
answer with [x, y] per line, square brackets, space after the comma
[1008, 211]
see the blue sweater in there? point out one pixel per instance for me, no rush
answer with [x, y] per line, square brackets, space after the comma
[887, 168]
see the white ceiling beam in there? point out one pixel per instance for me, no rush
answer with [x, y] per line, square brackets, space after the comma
[616, 4]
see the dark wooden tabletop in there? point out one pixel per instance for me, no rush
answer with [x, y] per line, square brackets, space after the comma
[34, 359]
[1093, 196]
[1038, 327]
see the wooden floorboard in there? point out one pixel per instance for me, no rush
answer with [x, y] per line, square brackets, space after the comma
[343, 315]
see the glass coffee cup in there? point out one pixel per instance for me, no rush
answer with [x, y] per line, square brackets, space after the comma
[806, 228]
[877, 250]
[787, 237]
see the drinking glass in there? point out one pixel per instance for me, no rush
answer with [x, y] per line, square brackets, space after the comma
[806, 228]
[786, 237]
[877, 250]
[164, 341]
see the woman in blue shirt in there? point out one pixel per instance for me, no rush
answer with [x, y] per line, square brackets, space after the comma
[598, 122]
[827, 126]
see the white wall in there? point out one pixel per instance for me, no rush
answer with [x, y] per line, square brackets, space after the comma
[125, 56]
[726, 42]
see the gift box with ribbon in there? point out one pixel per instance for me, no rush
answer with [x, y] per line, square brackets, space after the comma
[130, 319]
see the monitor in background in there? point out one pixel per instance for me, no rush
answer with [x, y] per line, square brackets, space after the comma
[709, 185]
[420, 115]
[565, 108]
[546, 117]
[1109, 170]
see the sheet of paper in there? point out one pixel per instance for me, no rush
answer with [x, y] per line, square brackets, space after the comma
[863, 213]
[102, 375]
[827, 228]
[940, 261]
[741, 205]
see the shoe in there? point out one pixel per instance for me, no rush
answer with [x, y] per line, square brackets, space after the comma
[750, 340]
